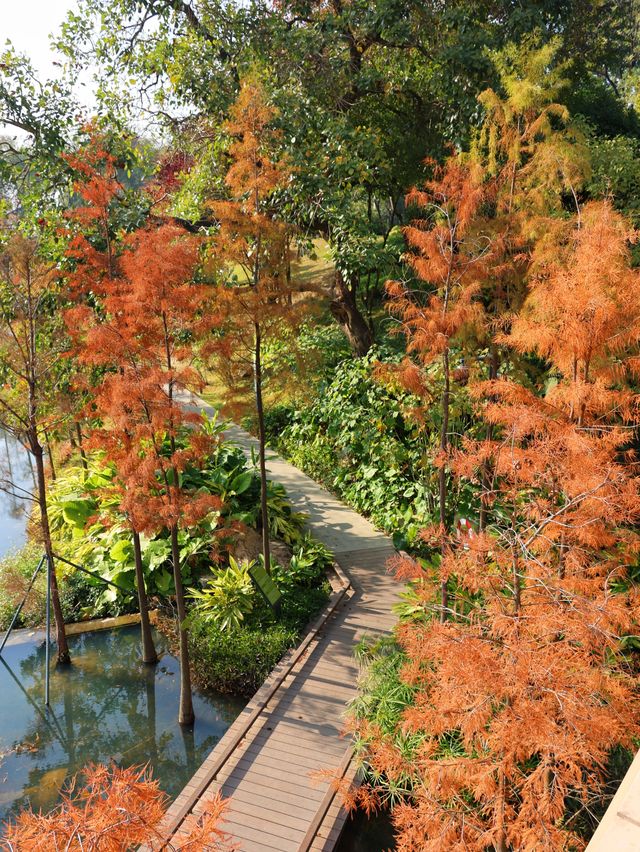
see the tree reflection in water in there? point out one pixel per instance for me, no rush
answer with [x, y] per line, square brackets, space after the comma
[107, 706]
[16, 486]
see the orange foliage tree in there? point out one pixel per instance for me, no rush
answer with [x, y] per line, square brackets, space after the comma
[100, 334]
[160, 268]
[520, 696]
[152, 316]
[92, 241]
[251, 251]
[139, 315]
[115, 809]
[449, 255]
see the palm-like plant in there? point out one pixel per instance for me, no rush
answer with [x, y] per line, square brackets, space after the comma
[228, 597]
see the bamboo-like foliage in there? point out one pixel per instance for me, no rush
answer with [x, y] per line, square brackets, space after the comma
[534, 157]
[528, 140]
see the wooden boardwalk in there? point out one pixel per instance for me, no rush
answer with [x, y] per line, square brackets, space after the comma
[268, 761]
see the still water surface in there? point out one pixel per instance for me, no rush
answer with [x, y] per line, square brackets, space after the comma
[16, 474]
[367, 834]
[106, 706]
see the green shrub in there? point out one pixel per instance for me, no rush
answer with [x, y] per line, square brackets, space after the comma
[300, 605]
[276, 419]
[227, 597]
[89, 530]
[284, 523]
[236, 661]
[237, 656]
[383, 697]
[309, 564]
[358, 440]
[81, 596]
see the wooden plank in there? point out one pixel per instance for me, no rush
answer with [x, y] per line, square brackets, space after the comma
[271, 818]
[284, 755]
[276, 803]
[270, 767]
[263, 781]
[259, 840]
[270, 789]
[297, 752]
[281, 803]
[326, 803]
[295, 741]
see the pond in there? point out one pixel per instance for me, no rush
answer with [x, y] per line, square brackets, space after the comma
[15, 468]
[367, 834]
[107, 706]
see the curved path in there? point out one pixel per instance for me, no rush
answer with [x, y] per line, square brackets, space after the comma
[268, 761]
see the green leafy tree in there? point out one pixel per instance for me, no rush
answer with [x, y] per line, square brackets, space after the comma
[365, 91]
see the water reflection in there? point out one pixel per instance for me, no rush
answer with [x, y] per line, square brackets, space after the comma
[15, 469]
[106, 706]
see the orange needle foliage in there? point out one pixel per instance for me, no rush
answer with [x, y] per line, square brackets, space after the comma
[521, 695]
[156, 306]
[149, 316]
[252, 247]
[449, 255]
[115, 809]
[98, 187]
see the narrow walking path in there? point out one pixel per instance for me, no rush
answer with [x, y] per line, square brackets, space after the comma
[268, 761]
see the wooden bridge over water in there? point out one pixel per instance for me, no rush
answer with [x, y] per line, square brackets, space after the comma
[268, 760]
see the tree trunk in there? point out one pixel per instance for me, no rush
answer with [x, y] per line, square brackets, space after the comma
[266, 550]
[83, 455]
[501, 841]
[442, 479]
[185, 714]
[61, 637]
[517, 583]
[52, 463]
[149, 654]
[345, 311]
[487, 471]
